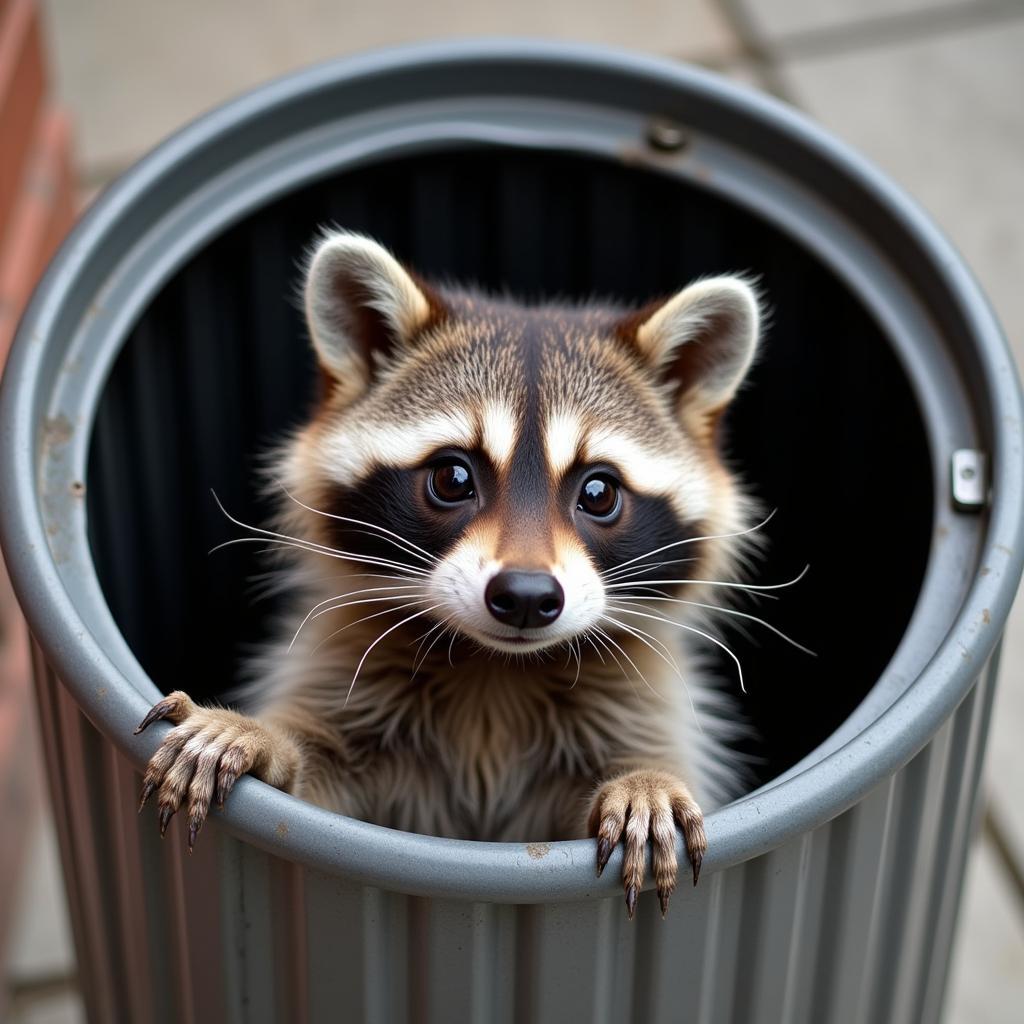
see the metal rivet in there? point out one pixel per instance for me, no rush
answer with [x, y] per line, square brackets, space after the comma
[970, 480]
[666, 135]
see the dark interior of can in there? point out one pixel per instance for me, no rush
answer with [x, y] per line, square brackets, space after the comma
[218, 367]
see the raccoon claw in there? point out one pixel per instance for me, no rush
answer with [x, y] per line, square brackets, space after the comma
[205, 753]
[225, 783]
[175, 706]
[642, 806]
[695, 859]
[147, 792]
[166, 813]
[631, 894]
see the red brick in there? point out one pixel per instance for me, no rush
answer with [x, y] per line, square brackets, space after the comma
[42, 215]
[22, 84]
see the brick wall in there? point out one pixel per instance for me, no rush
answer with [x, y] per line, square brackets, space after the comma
[37, 200]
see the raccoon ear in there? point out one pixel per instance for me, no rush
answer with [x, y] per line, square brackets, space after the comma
[361, 305]
[703, 340]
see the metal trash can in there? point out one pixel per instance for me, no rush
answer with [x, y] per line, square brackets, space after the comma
[161, 354]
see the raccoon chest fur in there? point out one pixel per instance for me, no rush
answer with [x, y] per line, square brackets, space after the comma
[490, 751]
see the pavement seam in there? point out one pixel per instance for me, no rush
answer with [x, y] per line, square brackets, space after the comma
[756, 50]
[892, 30]
[1011, 859]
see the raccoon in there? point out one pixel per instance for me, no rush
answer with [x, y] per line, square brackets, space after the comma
[483, 523]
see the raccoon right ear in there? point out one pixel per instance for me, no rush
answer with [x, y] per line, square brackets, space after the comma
[361, 305]
[702, 341]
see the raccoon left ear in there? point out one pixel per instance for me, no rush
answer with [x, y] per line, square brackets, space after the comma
[361, 304]
[703, 340]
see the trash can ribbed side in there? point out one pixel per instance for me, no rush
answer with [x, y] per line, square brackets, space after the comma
[151, 366]
[851, 921]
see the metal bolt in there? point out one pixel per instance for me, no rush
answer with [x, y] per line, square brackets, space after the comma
[666, 135]
[970, 480]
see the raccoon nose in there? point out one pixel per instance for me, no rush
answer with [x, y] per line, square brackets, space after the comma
[524, 599]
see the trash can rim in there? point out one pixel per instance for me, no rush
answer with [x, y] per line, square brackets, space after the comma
[427, 865]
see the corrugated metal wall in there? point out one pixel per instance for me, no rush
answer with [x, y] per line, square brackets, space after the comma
[851, 922]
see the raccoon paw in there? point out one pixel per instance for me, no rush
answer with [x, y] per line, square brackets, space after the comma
[202, 757]
[640, 806]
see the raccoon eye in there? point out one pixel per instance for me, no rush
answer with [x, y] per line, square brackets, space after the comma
[450, 482]
[599, 497]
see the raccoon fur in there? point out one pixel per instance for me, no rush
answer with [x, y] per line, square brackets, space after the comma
[501, 527]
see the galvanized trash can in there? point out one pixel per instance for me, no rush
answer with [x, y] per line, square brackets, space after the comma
[161, 355]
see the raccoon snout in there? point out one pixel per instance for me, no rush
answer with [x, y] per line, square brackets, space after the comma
[526, 600]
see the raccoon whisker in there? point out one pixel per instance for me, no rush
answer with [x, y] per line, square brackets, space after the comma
[314, 613]
[693, 540]
[653, 590]
[423, 636]
[365, 618]
[668, 661]
[414, 581]
[607, 639]
[755, 587]
[387, 631]
[377, 536]
[597, 638]
[571, 652]
[622, 574]
[409, 547]
[418, 663]
[672, 662]
[308, 544]
[373, 590]
[632, 663]
[369, 600]
[729, 611]
[739, 628]
[590, 640]
[646, 638]
[689, 629]
[353, 593]
[451, 644]
[277, 578]
[574, 648]
[319, 549]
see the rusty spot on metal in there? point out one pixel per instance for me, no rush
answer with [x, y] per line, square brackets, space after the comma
[57, 430]
[986, 616]
[984, 570]
[538, 850]
[282, 829]
[941, 531]
[632, 155]
[77, 488]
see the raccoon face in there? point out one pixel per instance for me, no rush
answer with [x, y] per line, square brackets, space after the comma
[524, 463]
